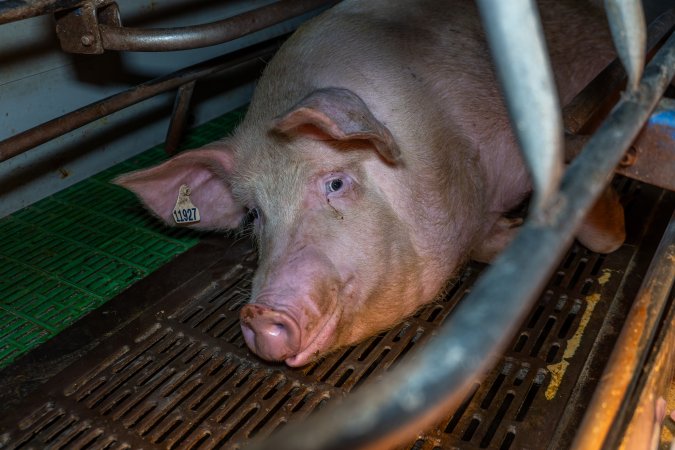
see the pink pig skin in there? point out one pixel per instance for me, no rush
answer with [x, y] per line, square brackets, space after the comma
[378, 157]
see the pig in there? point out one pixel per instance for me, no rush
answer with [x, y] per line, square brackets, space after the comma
[375, 159]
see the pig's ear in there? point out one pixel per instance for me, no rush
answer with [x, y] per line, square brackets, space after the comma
[335, 113]
[205, 171]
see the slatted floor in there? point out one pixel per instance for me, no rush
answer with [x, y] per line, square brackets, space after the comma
[70, 253]
[173, 370]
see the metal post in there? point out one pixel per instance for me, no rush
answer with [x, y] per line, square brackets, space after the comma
[179, 117]
[518, 48]
[627, 24]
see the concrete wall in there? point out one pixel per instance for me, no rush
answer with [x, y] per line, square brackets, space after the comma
[39, 82]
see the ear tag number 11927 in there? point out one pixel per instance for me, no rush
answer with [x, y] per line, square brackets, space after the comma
[185, 213]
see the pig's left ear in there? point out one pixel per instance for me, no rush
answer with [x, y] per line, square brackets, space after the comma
[190, 189]
[339, 114]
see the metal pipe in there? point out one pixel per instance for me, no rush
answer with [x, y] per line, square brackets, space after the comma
[526, 76]
[183, 38]
[627, 24]
[47, 131]
[178, 117]
[630, 350]
[423, 386]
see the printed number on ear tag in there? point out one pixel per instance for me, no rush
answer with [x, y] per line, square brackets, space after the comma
[185, 213]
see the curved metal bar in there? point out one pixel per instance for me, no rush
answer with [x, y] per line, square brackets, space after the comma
[184, 38]
[526, 76]
[627, 24]
[421, 387]
[40, 134]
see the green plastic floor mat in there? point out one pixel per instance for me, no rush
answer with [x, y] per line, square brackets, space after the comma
[69, 253]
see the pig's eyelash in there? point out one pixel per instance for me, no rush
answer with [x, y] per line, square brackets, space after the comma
[248, 223]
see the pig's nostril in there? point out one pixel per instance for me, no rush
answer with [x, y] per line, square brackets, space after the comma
[271, 334]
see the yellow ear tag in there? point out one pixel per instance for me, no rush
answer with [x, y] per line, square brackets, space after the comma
[185, 213]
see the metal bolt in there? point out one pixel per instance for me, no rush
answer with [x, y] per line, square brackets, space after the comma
[629, 157]
[87, 40]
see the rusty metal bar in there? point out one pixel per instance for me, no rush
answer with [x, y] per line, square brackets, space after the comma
[183, 38]
[40, 134]
[631, 348]
[644, 425]
[651, 158]
[526, 77]
[179, 117]
[421, 388]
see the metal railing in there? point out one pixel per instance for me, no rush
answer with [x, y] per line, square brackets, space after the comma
[94, 26]
[434, 378]
[78, 27]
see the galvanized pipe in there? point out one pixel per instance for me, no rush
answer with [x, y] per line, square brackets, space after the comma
[518, 49]
[183, 38]
[627, 24]
[422, 387]
[630, 350]
[47, 131]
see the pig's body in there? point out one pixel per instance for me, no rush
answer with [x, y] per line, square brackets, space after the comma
[396, 101]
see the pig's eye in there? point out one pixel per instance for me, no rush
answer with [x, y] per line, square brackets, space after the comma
[334, 185]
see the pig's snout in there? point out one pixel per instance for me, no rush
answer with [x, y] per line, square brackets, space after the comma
[272, 335]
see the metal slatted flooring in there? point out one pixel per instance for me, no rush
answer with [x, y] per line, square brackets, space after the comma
[165, 365]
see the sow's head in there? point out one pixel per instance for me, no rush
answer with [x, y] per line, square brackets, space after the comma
[332, 217]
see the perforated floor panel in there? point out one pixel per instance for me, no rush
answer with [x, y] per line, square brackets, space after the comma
[73, 251]
[164, 365]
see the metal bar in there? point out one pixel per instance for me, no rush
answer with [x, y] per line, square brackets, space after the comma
[40, 134]
[179, 117]
[631, 348]
[659, 371]
[627, 24]
[422, 387]
[651, 158]
[183, 38]
[529, 89]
